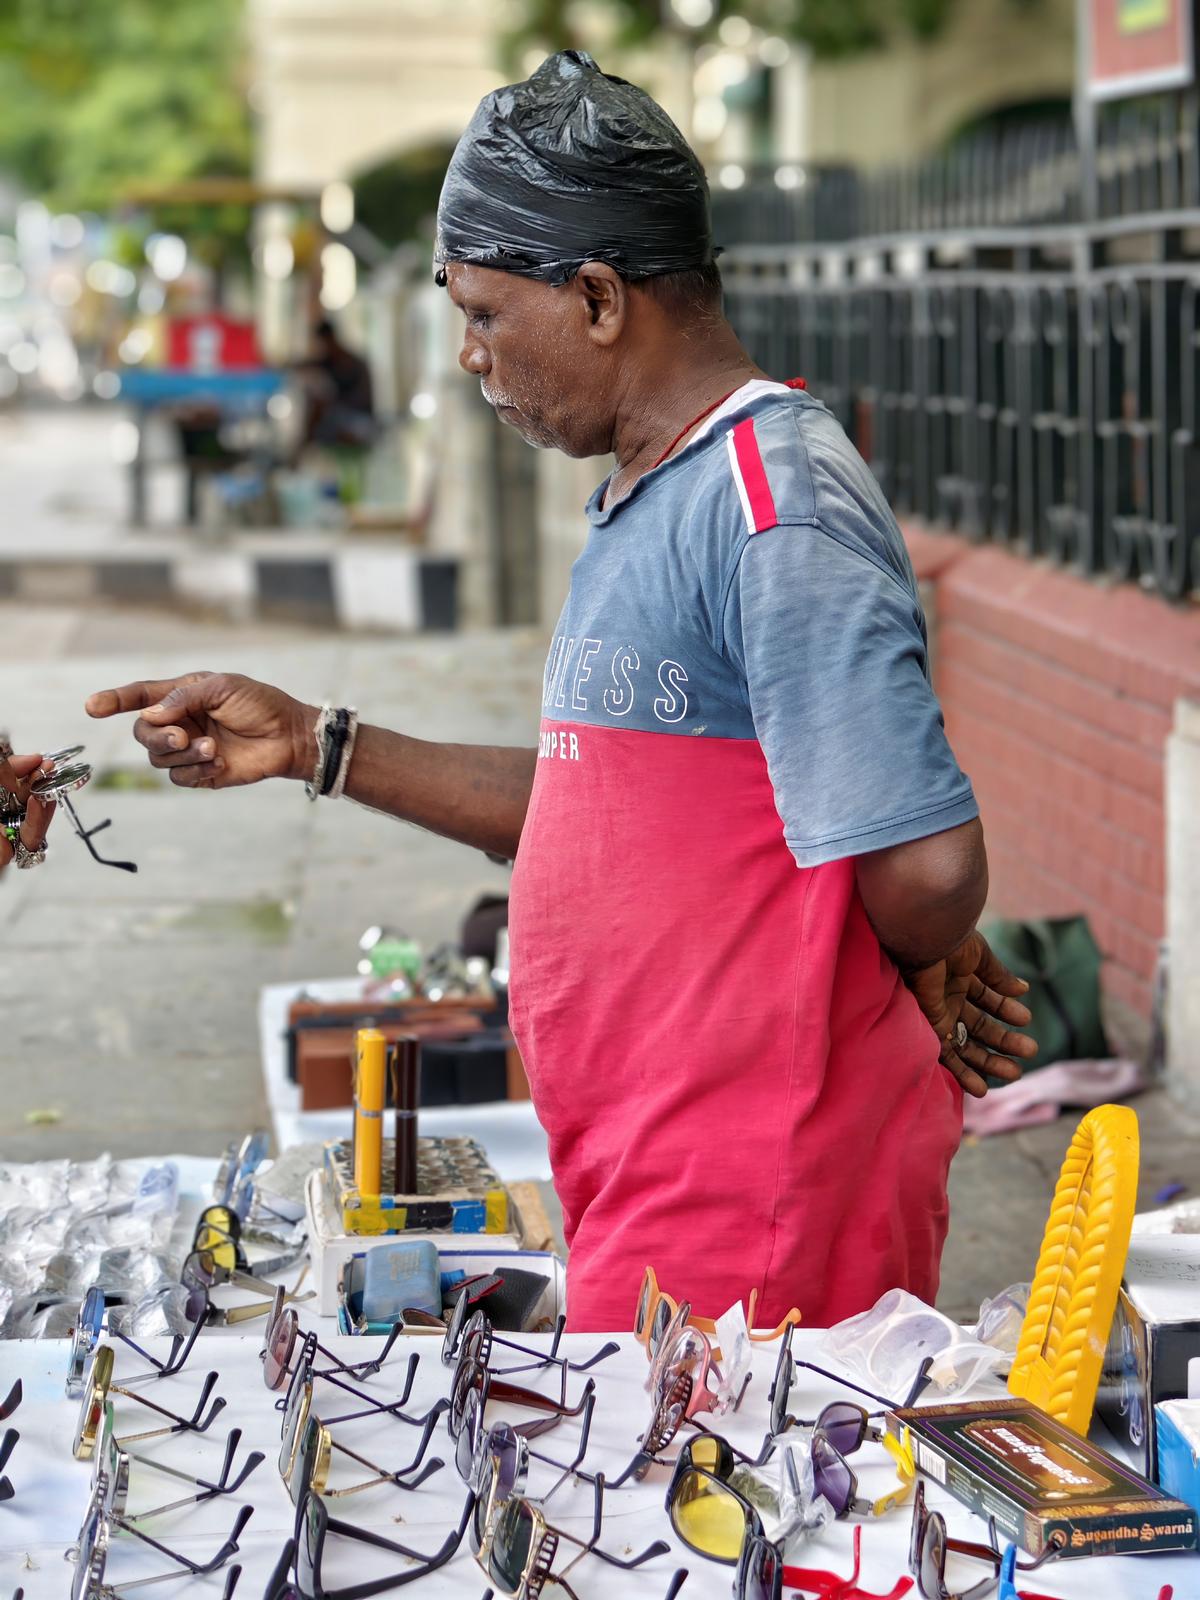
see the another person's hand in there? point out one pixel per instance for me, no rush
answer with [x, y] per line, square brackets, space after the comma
[215, 730]
[16, 776]
[968, 999]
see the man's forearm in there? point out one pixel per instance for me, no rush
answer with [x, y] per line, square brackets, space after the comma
[477, 794]
[924, 898]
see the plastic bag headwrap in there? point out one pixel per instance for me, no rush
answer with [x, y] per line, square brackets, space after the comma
[573, 166]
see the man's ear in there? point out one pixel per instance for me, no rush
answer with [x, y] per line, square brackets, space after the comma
[604, 299]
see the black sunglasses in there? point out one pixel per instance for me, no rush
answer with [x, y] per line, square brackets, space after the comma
[472, 1373]
[465, 1323]
[297, 1574]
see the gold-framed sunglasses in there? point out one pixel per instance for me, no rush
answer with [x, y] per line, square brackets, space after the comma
[98, 1385]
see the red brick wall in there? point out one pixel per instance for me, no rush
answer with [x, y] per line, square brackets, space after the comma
[1058, 693]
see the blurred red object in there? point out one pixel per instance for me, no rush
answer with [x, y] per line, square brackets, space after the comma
[212, 343]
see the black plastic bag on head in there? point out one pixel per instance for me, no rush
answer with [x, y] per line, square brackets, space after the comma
[573, 166]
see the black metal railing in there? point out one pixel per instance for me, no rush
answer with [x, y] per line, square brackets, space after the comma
[1033, 381]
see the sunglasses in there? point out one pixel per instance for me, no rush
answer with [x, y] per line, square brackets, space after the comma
[515, 1545]
[494, 1462]
[306, 1447]
[202, 1272]
[283, 1334]
[762, 1575]
[929, 1546]
[11, 1401]
[297, 1574]
[781, 1386]
[111, 1467]
[95, 1540]
[238, 1162]
[708, 1510]
[85, 1336]
[7, 1445]
[472, 1374]
[686, 1350]
[656, 1310]
[60, 784]
[464, 1323]
[99, 1385]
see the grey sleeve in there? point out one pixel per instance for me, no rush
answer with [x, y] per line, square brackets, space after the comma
[833, 652]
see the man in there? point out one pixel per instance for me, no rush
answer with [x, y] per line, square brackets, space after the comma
[747, 866]
[340, 398]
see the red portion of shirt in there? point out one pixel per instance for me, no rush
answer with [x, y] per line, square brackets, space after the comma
[737, 1087]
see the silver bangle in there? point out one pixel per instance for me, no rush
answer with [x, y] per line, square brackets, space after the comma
[339, 783]
[321, 733]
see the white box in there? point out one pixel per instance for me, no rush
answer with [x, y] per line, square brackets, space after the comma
[329, 1248]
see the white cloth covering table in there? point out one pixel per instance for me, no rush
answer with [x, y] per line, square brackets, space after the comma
[52, 1487]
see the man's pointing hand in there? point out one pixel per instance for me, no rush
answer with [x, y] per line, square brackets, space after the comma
[216, 730]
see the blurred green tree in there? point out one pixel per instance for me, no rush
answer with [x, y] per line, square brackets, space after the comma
[98, 94]
[828, 27]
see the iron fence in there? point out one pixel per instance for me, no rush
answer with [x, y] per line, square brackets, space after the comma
[1007, 369]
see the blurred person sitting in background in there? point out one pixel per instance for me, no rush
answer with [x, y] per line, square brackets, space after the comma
[339, 394]
[746, 980]
[24, 819]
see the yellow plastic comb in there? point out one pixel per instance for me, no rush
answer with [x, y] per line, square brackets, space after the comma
[1074, 1296]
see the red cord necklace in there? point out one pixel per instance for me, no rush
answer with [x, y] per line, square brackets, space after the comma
[793, 383]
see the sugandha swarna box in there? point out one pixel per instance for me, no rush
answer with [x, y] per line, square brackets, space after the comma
[1009, 1460]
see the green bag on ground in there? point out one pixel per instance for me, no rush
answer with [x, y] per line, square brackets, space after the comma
[1060, 960]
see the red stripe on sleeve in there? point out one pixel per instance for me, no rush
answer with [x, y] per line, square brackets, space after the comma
[754, 476]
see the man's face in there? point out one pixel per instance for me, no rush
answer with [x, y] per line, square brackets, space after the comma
[525, 342]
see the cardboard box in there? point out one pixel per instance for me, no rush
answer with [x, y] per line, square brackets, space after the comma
[1177, 1430]
[1009, 1460]
[1155, 1333]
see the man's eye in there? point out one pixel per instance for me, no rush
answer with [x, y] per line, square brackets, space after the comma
[480, 319]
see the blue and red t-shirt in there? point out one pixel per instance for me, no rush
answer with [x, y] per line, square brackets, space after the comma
[737, 1086]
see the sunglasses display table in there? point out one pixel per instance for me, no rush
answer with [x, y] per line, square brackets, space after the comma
[52, 1488]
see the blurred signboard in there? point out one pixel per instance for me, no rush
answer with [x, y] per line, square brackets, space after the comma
[212, 343]
[1138, 46]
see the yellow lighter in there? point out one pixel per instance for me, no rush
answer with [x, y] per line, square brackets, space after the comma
[369, 1079]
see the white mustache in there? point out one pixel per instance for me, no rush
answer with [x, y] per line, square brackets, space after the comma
[497, 397]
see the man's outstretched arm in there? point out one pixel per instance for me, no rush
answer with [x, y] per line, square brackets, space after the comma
[220, 730]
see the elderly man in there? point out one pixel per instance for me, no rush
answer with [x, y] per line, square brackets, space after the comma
[745, 978]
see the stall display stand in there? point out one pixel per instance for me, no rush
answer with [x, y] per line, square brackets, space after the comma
[42, 1521]
[507, 1129]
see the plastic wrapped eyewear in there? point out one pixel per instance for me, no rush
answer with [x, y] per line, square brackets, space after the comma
[85, 1337]
[656, 1310]
[7, 1445]
[111, 1467]
[297, 1574]
[99, 1385]
[95, 1541]
[283, 1335]
[516, 1546]
[686, 1350]
[465, 1322]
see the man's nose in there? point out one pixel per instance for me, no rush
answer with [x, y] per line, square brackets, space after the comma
[473, 358]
